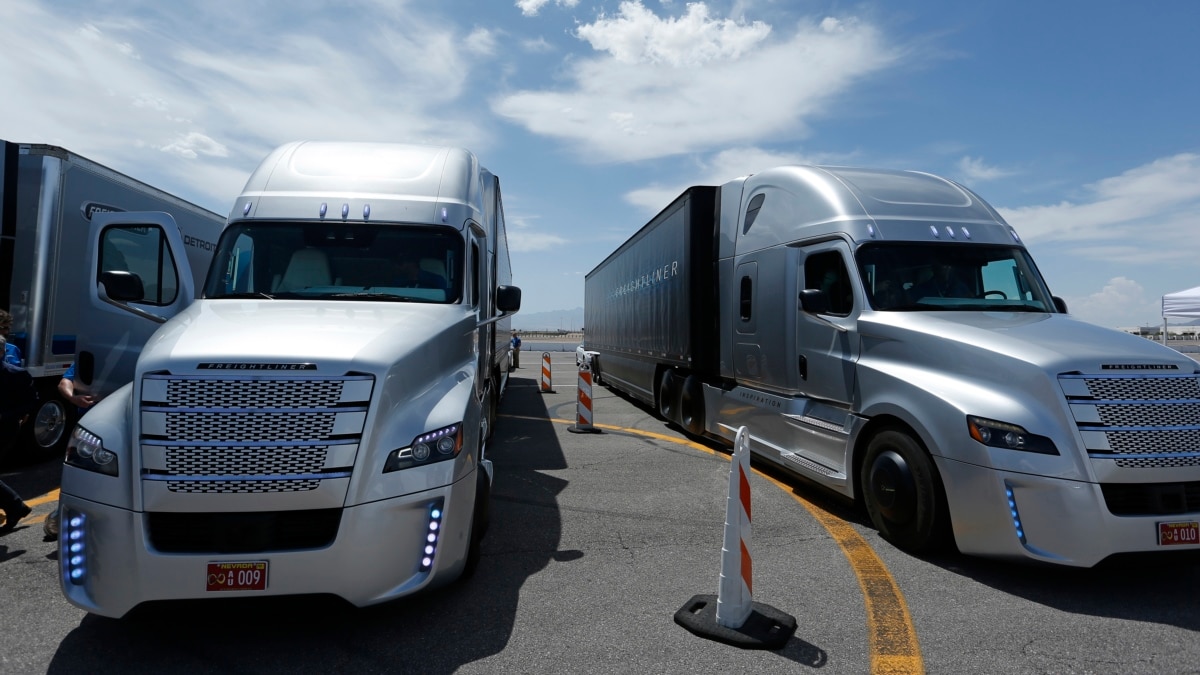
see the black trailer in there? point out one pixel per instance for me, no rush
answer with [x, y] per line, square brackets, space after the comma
[651, 306]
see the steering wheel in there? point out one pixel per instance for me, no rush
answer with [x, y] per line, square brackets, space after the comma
[999, 293]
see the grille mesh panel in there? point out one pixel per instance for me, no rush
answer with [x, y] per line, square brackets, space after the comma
[277, 393]
[244, 461]
[1142, 388]
[1150, 415]
[249, 426]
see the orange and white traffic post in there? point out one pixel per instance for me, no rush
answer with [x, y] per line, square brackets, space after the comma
[583, 402]
[547, 387]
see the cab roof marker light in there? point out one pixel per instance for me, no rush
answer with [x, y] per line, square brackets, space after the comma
[246, 209]
[366, 212]
[966, 233]
[871, 229]
[445, 215]
[345, 211]
[323, 210]
[934, 231]
[1014, 234]
[950, 231]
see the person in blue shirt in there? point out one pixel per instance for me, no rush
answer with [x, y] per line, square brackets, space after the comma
[82, 401]
[516, 351]
[18, 398]
[12, 353]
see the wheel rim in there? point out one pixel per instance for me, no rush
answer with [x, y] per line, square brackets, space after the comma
[48, 424]
[893, 487]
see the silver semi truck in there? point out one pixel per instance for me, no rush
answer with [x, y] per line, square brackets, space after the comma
[48, 198]
[886, 335]
[315, 422]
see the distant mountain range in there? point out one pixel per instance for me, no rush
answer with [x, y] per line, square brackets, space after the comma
[560, 319]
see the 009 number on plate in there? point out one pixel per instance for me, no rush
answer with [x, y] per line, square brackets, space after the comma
[1173, 534]
[237, 576]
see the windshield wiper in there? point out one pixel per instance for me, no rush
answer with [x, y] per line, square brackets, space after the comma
[243, 296]
[373, 296]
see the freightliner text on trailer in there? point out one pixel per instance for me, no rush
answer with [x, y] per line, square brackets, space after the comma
[315, 422]
[886, 335]
[48, 198]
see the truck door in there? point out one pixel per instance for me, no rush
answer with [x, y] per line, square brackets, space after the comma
[827, 343]
[138, 277]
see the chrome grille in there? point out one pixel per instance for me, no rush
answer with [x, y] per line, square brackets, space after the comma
[260, 434]
[1149, 421]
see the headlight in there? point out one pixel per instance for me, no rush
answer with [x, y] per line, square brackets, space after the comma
[435, 446]
[86, 451]
[1008, 436]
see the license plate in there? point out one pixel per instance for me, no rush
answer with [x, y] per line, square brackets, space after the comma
[1172, 534]
[237, 576]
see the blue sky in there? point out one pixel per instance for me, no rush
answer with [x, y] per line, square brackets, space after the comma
[1077, 120]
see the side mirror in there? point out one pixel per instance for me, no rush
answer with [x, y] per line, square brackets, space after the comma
[814, 301]
[1060, 305]
[122, 286]
[508, 298]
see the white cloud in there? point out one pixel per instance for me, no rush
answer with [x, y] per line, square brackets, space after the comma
[701, 90]
[193, 145]
[482, 42]
[532, 7]
[524, 238]
[975, 170]
[1122, 302]
[537, 46]
[1147, 214]
[636, 35]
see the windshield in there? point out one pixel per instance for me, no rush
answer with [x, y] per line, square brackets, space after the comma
[962, 277]
[337, 261]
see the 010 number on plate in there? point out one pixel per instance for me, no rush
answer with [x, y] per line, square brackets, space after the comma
[1174, 534]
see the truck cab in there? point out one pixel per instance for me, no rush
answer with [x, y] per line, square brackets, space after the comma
[317, 421]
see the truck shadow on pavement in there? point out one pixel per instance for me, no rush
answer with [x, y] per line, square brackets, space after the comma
[438, 631]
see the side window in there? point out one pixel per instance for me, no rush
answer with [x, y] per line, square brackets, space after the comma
[473, 300]
[141, 250]
[826, 271]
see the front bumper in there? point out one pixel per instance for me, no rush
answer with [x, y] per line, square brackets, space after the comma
[376, 556]
[1062, 521]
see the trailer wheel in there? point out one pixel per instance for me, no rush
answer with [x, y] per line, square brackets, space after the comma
[49, 428]
[691, 405]
[668, 396]
[902, 493]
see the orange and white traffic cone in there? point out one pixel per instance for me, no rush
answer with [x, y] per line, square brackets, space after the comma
[737, 567]
[732, 616]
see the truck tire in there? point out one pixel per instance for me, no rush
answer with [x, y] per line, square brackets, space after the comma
[668, 396]
[903, 494]
[691, 405]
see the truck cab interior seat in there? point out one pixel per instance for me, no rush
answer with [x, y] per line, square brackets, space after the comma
[307, 267]
[436, 267]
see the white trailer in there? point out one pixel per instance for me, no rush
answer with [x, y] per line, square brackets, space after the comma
[317, 421]
[887, 336]
[48, 198]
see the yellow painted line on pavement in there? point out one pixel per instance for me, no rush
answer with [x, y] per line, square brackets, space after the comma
[893, 639]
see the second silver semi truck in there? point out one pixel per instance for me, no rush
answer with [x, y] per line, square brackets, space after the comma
[317, 421]
[886, 335]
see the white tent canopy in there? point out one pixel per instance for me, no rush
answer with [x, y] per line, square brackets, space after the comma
[1180, 304]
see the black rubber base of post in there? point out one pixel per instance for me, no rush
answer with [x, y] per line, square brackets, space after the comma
[576, 429]
[765, 627]
[547, 391]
